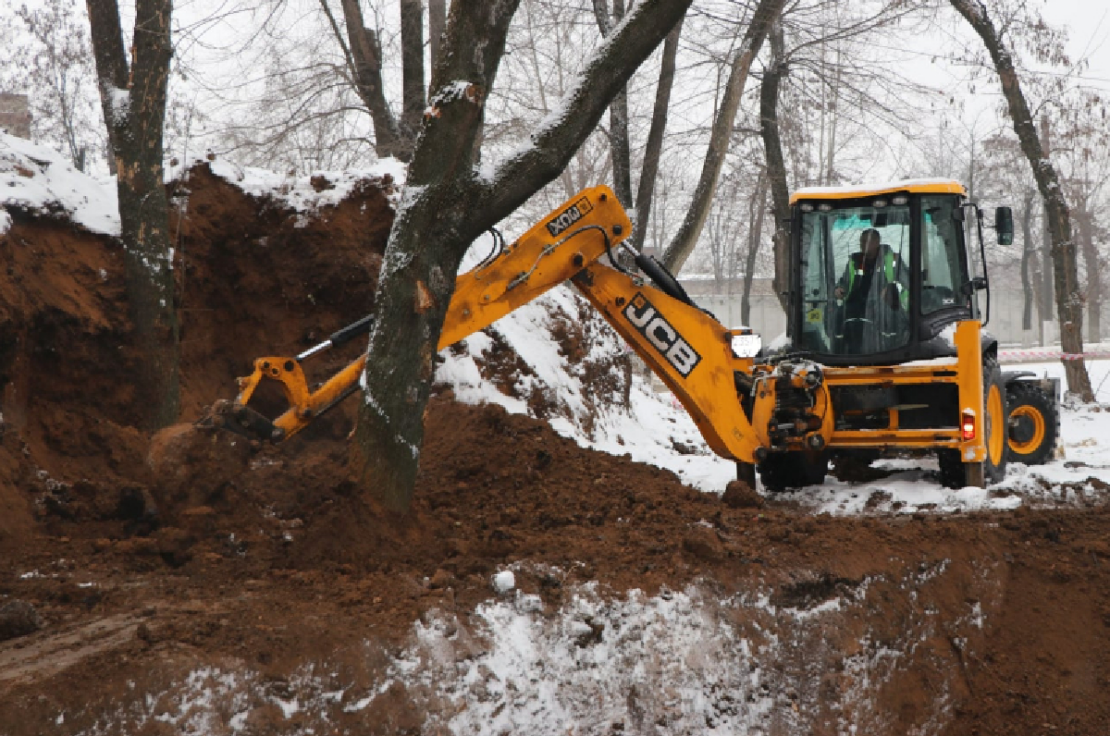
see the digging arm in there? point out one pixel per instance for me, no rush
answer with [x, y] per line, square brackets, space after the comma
[686, 347]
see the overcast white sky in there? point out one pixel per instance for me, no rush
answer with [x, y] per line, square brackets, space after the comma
[1088, 23]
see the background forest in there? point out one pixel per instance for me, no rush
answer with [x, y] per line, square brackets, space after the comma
[867, 91]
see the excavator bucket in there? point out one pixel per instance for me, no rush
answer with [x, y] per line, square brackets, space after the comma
[242, 420]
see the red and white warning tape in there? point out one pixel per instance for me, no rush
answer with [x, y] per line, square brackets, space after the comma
[1028, 356]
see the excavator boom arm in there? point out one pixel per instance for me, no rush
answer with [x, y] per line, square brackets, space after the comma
[685, 346]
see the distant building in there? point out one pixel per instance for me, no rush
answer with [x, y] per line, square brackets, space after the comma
[15, 115]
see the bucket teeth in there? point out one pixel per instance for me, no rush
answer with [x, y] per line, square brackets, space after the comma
[242, 420]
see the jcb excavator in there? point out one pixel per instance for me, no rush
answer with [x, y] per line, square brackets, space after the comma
[884, 348]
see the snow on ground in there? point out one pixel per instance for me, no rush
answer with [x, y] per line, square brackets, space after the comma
[296, 191]
[39, 179]
[679, 662]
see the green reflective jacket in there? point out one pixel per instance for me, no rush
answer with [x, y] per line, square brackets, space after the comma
[889, 256]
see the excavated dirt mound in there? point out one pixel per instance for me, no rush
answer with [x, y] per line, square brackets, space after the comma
[116, 581]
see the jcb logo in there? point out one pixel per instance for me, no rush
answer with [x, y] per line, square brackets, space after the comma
[569, 216]
[658, 331]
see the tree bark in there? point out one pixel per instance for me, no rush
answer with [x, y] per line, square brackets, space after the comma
[682, 245]
[446, 204]
[365, 59]
[618, 113]
[1083, 219]
[1027, 253]
[1048, 290]
[757, 206]
[653, 149]
[776, 164]
[1069, 298]
[134, 104]
[412, 66]
[437, 24]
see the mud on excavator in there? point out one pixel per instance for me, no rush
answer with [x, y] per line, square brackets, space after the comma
[882, 353]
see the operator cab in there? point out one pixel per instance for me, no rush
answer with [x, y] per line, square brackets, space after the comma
[880, 272]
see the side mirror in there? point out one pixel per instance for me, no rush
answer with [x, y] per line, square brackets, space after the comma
[1004, 225]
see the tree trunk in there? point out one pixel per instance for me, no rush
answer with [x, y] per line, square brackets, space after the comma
[437, 24]
[1094, 284]
[1027, 253]
[412, 66]
[445, 206]
[757, 205]
[134, 104]
[834, 118]
[776, 164]
[682, 245]
[1048, 291]
[618, 114]
[1069, 298]
[364, 55]
[645, 192]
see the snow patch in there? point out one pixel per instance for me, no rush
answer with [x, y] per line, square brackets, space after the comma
[40, 180]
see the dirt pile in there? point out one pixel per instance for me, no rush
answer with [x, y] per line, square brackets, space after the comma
[265, 563]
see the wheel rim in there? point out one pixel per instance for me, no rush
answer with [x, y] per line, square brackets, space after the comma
[1031, 414]
[995, 424]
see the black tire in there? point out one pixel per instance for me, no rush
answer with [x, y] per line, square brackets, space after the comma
[781, 471]
[1033, 426]
[954, 473]
[951, 469]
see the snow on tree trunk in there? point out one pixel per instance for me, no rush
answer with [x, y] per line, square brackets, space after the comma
[448, 202]
[134, 103]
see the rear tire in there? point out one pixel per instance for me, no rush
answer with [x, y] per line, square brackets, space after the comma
[781, 471]
[954, 473]
[1033, 427]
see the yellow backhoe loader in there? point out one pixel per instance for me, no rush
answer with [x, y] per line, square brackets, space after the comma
[884, 348]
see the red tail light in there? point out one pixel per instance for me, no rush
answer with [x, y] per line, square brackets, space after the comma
[967, 425]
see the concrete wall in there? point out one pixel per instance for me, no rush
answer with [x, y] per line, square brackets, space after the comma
[15, 115]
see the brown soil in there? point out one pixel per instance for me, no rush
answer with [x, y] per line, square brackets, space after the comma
[273, 559]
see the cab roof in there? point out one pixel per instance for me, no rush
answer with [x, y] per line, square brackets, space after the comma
[909, 186]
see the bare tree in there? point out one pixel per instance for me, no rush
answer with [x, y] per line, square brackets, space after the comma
[645, 191]
[133, 98]
[688, 233]
[1069, 296]
[1083, 151]
[55, 66]
[1028, 259]
[618, 112]
[362, 51]
[447, 204]
[773, 73]
[757, 205]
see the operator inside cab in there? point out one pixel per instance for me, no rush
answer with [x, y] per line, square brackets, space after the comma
[873, 296]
